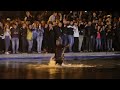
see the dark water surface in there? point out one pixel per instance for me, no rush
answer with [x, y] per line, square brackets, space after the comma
[35, 69]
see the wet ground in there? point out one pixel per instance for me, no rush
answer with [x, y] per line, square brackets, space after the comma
[72, 69]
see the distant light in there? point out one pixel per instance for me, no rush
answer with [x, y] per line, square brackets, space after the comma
[85, 11]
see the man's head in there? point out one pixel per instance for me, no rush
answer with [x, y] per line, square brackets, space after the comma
[28, 13]
[54, 23]
[71, 22]
[24, 25]
[14, 26]
[89, 23]
[75, 23]
[60, 24]
[30, 26]
[94, 14]
[55, 13]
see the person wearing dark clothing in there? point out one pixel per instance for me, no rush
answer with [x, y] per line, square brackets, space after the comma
[28, 17]
[45, 39]
[70, 16]
[109, 38]
[58, 30]
[59, 52]
[115, 39]
[118, 31]
[51, 39]
[93, 35]
[15, 38]
[92, 38]
[89, 38]
[1, 38]
[23, 36]
[103, 39]
[64, 35]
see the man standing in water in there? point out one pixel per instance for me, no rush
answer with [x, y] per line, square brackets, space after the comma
[59, 52]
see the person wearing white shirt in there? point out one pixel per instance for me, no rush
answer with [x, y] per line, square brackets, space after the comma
[7, 36]
[76, 37]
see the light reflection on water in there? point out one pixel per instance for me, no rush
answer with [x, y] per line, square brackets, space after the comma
[94, 69]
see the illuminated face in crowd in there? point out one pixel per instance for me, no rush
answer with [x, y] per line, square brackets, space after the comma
[54, 23]
[6, 25]
[71, 23]
[50, 26]
[14, 26]
[60, 24]
[30, 26]
[75, 23]
[89, 23]
[28, 13]
[24, 25]
[55, 14]
[46, 25]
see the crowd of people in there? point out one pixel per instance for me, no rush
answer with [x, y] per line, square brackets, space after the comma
[84, 31]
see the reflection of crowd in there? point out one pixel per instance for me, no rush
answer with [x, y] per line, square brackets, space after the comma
[83, 31]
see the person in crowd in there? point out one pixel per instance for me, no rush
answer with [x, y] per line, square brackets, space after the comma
[109, 38]
[28, 17]
[30, 38]
[92, 37]
[40, 32]
[64, 34]
[34, 28]
[98, 38]
[115, 36]
[23, 36]
[7, 37]
[58, 30]
[51, 39]
[15, 38]
[70, 36]
[76, 37]
[88, 30]
[1, 38]
[81, 31]
[103, 37]
[52, 18]
[45, 38]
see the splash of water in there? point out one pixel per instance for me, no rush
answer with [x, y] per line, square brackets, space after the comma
[52, 62]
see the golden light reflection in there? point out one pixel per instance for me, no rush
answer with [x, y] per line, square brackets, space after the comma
[38, 66]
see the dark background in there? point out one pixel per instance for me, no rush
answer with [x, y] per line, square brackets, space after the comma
[22, 13]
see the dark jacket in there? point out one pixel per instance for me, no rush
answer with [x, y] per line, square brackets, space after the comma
[64, 30]
[70, 30]
[109, 35]
[88, 31]
[23, 32]
[58, 31]
[15, 33]
[1, 31]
